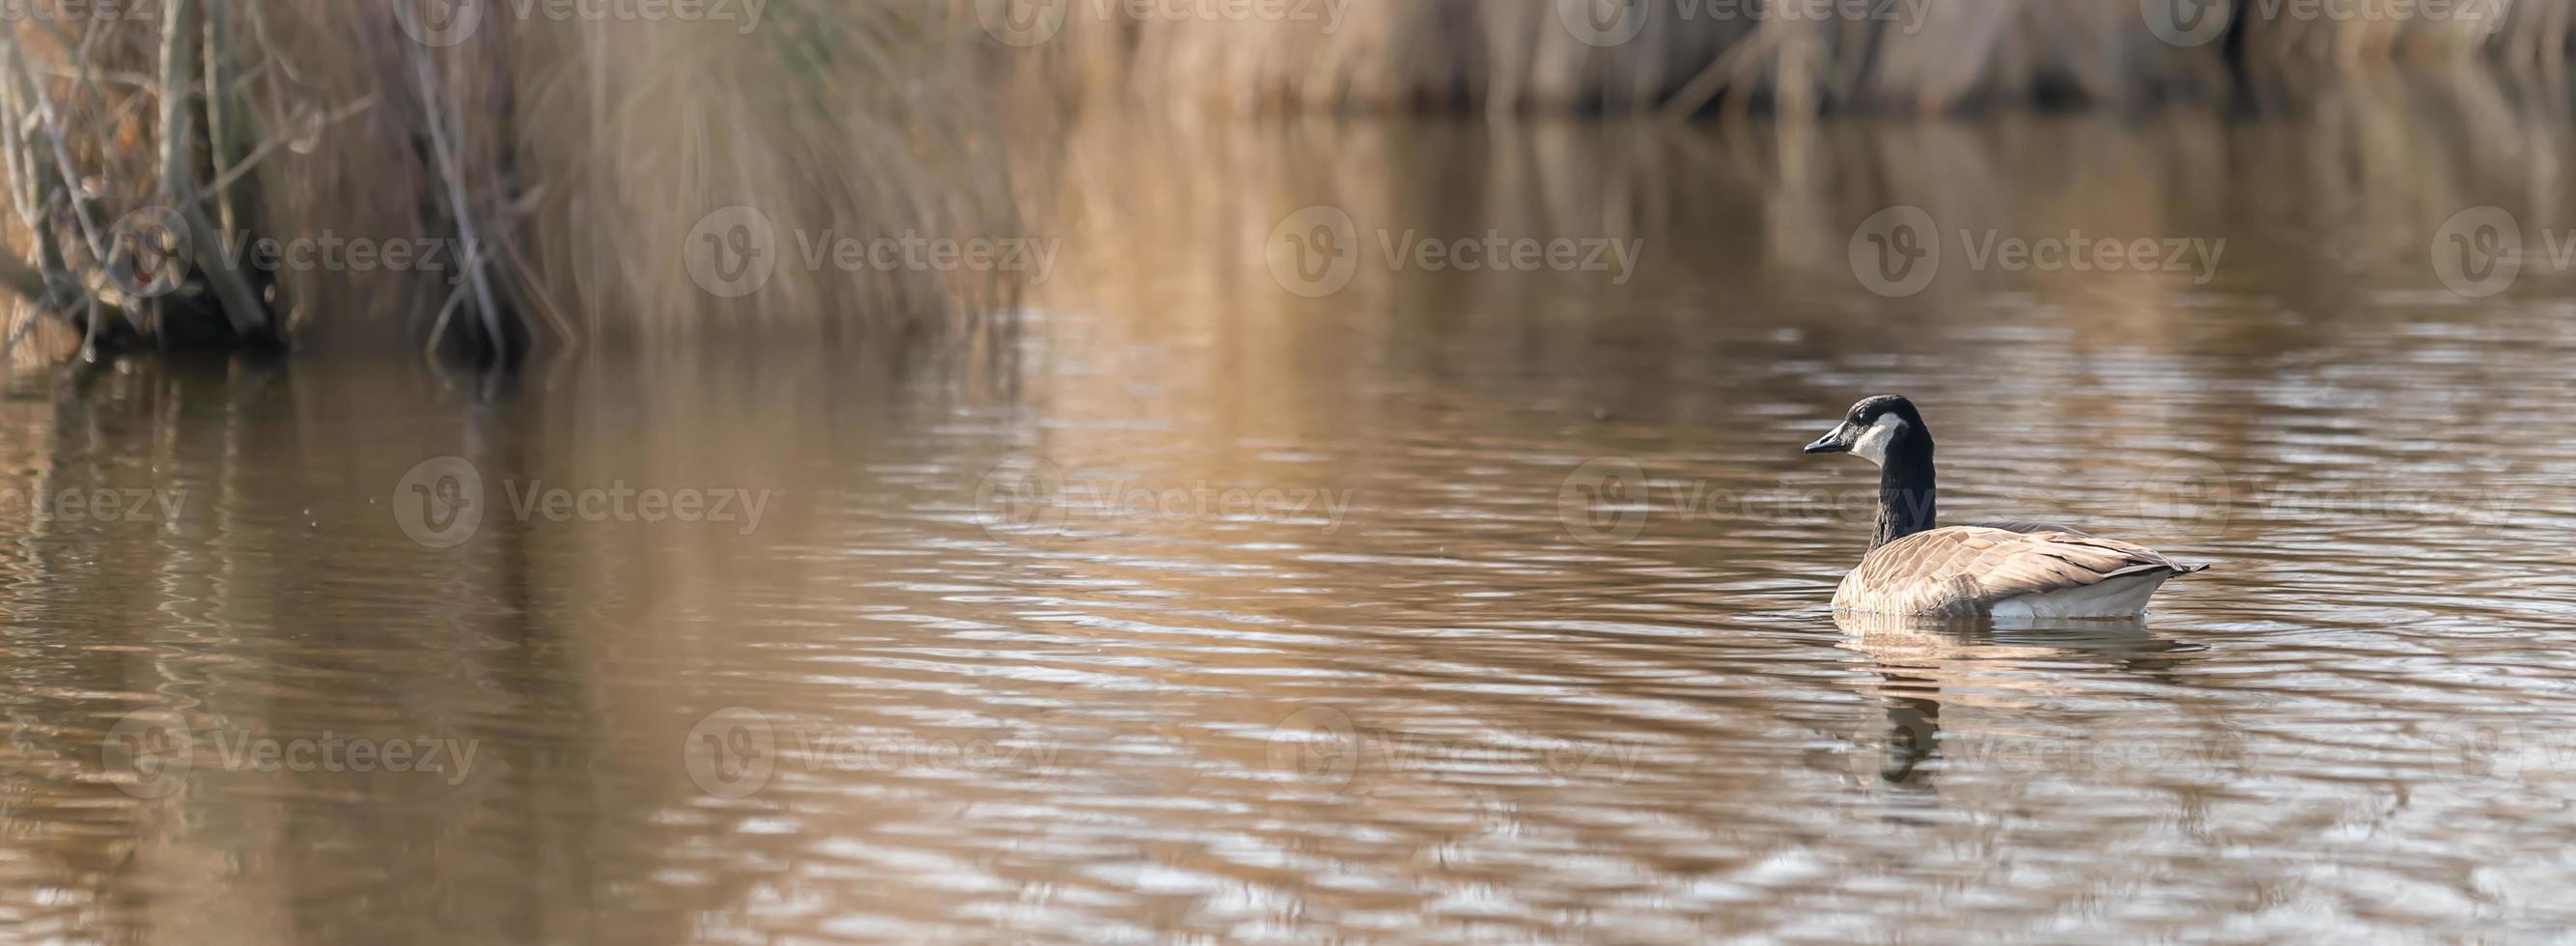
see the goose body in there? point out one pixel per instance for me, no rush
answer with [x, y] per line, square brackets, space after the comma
[2008, 570]
[1964, 570]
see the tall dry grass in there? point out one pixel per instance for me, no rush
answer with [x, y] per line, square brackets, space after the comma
[577, 156]
[562, 162]
[1795, 56]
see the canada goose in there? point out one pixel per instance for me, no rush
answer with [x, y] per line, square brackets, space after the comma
[2018, 569]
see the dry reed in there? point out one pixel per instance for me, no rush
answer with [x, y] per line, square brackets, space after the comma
[570, 164]
[543, 168]
[1684, 56]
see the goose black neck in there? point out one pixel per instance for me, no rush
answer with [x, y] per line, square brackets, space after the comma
[1905, 494]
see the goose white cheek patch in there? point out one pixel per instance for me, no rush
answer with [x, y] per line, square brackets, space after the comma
[1872, 445]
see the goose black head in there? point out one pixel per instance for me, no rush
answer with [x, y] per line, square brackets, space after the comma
[1873, 427]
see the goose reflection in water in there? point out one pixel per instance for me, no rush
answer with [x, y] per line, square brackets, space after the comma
[1978, 662]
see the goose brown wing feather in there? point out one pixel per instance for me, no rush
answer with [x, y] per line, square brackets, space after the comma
[2031, 527]
[1965, 569]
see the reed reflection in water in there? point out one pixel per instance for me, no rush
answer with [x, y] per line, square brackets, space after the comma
[1278, 623]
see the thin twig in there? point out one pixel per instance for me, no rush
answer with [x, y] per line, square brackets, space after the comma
[537, 291]
[242, 306]
[22, 165]
[438, 329]
[10, 349]
[455, 177]
[62, 152]
[222, 122]
[250, 162]
[178, 66]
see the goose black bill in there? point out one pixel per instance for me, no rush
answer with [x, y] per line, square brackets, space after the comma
[1837, 440]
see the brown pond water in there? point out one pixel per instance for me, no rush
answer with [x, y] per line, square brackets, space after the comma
[1444, 606]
